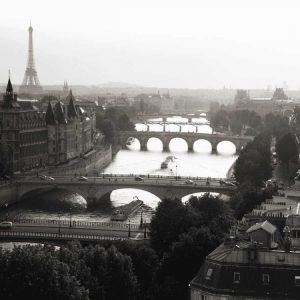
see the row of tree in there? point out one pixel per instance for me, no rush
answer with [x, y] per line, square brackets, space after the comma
[236, 121]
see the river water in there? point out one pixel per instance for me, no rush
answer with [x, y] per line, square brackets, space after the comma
[201, 162]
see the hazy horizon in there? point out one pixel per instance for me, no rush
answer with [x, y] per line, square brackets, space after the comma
[166, 44]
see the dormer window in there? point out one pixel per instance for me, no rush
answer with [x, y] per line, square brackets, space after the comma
[297, 280]
[209, 274]
[236, 277]
[266, 279]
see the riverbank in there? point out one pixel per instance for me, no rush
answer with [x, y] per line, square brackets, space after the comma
[92, 164]
[230, 172]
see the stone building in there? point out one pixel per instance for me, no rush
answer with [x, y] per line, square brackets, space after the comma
[278, 104]
[23, 129]
[69, 131]
[259, 265]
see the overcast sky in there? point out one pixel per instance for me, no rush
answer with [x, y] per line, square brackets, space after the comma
[162, 43]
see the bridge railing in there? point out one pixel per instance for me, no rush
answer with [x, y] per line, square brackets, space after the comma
[75, 224]
[58, 236]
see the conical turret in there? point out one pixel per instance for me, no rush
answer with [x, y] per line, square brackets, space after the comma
[72, 113]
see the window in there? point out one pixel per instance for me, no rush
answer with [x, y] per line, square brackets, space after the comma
[236, 277]
[209, 274]
[297, 280]
[266, 279]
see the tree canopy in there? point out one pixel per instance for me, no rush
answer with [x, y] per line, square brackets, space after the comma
[287, 148]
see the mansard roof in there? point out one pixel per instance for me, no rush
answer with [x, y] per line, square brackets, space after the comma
[250, 262]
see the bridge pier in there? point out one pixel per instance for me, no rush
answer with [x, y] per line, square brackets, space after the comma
[91, 201]
[143, 147]
[166, 148]
[190, 119]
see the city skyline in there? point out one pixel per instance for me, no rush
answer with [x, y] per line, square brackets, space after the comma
[176, 44]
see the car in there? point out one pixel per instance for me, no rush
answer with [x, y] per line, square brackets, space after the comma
[49, 178]
[189, 181]
[43, 177]
[229, 183]
[82, 178]
[6, 225]
[138, 178]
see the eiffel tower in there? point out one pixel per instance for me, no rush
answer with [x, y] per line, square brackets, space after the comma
[31, 83]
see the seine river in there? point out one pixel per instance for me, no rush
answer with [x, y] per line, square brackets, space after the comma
[201, 162]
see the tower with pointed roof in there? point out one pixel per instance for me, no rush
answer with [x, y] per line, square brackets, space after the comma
[31, 83]
[65, 90]
[9, 99]
[24, 130]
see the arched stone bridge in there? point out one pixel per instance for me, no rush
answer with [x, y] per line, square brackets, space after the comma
[190, 138]
[96, 187]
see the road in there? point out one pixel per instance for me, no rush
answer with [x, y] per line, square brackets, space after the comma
[93, 231]
[133, 179]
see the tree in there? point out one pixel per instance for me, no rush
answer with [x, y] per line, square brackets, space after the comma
[124, 123]
[246, 198]
[38, 274]
[183, 261]
[170, 220]
[287, 148]
[108, 129]
[276, 125]
[254, 165]
[212, 212]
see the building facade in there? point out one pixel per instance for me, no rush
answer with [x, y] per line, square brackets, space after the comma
[23, 129]
[69, 131]
[278, 104]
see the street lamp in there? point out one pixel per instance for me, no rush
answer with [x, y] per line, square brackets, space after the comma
[70, 217]
[59, 223]
[129, 232]
[142, 221]
[176, 171]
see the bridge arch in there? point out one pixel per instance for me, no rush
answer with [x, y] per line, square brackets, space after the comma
[122, 196]
[227, 147]
[133, 143]
[54, 199]
[154, 144]
[181, 144]
[202, 146]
